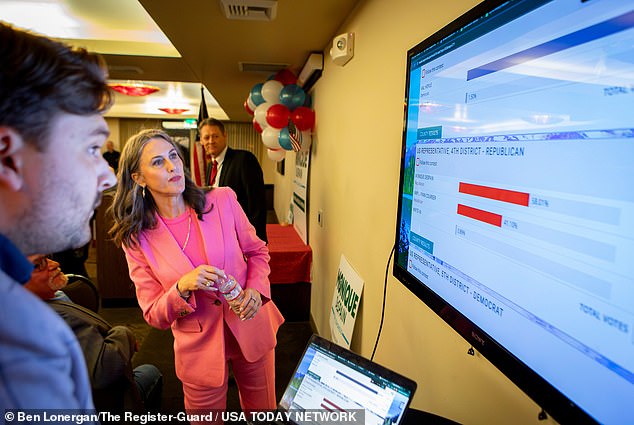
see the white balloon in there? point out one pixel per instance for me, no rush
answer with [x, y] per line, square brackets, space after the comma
[271, 91]
[250, 103]
[276, 155]
[271, 138]
[260, 114]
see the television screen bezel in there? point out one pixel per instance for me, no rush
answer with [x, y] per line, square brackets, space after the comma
[545, 395]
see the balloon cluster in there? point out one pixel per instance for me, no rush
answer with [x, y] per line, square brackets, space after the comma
[282, 113]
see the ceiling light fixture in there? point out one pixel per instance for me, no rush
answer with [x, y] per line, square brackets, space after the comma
[173, 111]
[134, 88]
[180, 125]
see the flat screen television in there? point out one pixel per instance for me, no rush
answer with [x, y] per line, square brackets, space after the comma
[516, 207]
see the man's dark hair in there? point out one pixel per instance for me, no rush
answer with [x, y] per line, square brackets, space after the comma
[212, 121]
[41, 78]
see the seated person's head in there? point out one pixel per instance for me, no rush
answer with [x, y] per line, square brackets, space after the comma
[47, 278]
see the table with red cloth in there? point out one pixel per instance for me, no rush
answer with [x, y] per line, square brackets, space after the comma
[290, 265]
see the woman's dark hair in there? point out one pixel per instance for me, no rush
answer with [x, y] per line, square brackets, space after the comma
[41, 78]
[132, 211]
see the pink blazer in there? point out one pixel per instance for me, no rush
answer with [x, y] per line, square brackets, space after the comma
[230, 242]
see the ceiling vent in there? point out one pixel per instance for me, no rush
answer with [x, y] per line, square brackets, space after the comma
[250, 10]
[268, 68]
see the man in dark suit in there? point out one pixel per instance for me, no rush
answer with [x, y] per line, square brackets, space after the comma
[238, 169]
[112, 156]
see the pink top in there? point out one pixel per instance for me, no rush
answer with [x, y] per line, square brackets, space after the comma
[180, 227]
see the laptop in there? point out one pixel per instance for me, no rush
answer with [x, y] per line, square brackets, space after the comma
[334, 385]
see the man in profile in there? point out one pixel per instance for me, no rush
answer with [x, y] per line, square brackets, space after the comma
[51, 178]
[238, 169]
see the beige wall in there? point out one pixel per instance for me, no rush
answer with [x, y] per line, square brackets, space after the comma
[284, 188]
[354, 174]
[268, 168]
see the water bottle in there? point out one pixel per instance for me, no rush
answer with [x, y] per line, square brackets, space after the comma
[232, 291]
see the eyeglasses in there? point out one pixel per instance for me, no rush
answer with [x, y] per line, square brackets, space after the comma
[41, 264]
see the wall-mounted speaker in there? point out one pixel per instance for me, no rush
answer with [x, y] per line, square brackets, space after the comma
[342, 48]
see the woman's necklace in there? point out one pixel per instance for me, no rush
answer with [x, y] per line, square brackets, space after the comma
[189, 230]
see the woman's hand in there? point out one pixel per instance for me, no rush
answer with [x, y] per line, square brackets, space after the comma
[250, 305]
[202, 277]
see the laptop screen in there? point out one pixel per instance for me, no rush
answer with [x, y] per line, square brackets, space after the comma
[331, 378]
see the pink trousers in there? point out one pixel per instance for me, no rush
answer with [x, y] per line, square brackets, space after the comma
[256, 382]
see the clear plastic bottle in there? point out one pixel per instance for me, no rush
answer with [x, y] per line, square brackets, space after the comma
[232, 291]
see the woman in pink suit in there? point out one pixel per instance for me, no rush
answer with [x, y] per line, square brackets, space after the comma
[179, 240]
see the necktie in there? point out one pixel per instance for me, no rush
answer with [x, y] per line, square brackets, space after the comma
[214, 172]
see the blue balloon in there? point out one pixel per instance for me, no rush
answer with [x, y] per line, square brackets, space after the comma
[285, 139]
[256, 94]
[292, 96]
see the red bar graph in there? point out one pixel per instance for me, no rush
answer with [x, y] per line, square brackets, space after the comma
[503, 195]
[480, 215]
[329, 405]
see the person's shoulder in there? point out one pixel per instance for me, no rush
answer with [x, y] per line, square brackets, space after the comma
[241, 154]
[73, 313]
[40, 354]
[222, 197]
[31, 328]
[220, 193]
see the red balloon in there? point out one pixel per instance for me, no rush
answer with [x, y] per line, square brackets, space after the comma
[257, 126]
[303, 118]
[246, 107]
[277, 116]
[285, 76]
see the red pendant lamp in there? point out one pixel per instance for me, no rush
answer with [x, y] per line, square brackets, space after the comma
[134, 88]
